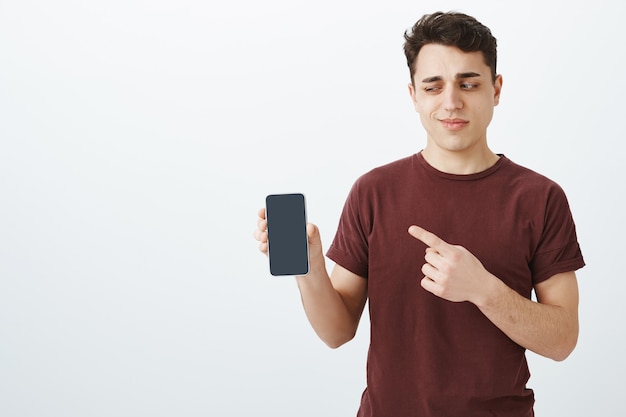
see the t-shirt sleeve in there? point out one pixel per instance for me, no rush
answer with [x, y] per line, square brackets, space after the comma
[558, 250]
[350, 247]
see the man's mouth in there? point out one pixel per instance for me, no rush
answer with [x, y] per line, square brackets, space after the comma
[453, 124]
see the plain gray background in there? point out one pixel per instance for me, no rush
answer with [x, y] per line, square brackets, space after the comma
[139, 138]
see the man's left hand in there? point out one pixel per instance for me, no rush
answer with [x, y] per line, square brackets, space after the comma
[451, 271]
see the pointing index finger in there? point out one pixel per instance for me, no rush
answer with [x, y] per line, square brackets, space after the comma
[430, 239]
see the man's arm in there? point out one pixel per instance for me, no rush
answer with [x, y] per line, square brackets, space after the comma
[548, 327]
[333, 304]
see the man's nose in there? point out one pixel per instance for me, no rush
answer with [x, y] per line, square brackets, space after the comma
[452, 99]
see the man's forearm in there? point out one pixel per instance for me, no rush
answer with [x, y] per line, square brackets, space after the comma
[546, 329]
[326, 310]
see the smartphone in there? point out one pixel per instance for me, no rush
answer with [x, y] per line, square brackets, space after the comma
[288, 245]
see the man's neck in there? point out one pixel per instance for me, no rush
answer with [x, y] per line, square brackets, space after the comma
[460, 163]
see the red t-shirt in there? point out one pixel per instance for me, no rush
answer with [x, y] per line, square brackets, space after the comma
[430, 357]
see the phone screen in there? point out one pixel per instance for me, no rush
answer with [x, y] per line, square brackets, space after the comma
[288, 245]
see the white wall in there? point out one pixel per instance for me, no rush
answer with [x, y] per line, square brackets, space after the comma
[139, 138]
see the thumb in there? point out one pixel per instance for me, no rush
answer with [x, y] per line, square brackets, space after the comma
[315, 243]
[317, 260]
[313, 234]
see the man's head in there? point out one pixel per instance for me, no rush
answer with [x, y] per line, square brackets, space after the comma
[454, 86]
[450, 29]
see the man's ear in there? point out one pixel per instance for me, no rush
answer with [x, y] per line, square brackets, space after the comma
[413, 96]
[497, 86]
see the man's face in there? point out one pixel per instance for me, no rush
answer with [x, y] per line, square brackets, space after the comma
[454, 94]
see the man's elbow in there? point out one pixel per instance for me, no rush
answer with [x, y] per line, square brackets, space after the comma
[338, 340]
[561, 355]
[564, 349]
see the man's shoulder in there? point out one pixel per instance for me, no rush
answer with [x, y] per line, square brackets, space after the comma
[524, 171]
[527, 178]
[389, 171]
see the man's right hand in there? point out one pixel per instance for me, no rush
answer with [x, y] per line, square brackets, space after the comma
[260, 233]
[334, 304]
[316, 254]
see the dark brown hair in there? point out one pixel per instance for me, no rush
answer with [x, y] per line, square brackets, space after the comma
[450, 29]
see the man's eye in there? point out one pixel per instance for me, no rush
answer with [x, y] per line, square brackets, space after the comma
[469, 86]
[431, 89]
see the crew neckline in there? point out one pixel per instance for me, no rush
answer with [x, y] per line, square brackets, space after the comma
[460, 177]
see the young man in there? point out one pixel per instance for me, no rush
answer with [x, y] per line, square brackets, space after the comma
[447, 246]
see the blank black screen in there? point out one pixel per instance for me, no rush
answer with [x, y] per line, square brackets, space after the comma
[286, 230]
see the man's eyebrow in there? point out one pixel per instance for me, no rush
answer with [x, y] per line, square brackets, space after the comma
[467, 75]
[432, 79]
[458, 76]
